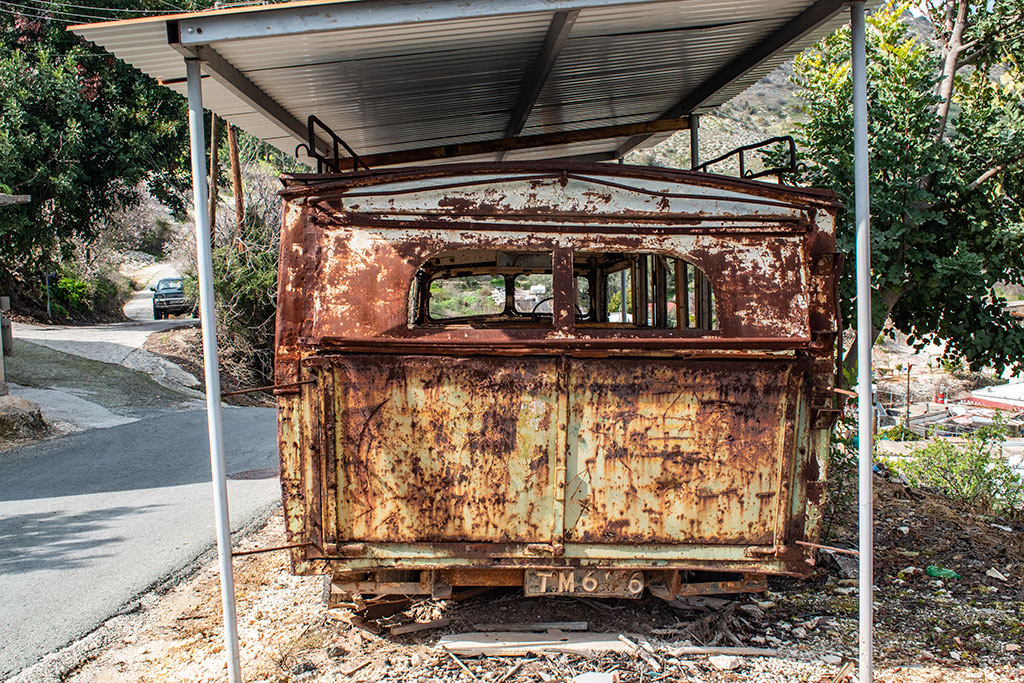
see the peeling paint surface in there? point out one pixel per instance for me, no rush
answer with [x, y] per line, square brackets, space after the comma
[421, 446]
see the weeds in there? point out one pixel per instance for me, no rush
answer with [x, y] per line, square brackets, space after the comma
[975, 473]
[842, 472]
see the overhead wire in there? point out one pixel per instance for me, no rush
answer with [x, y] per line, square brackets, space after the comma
[34, 16]
[98, 9]
[73, 15]
[174, 7]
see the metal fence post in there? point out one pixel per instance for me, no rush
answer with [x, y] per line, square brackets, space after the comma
[865, 338]
[204, 264]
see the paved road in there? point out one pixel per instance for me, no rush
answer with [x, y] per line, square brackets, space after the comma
[116, 344]
[90, 520]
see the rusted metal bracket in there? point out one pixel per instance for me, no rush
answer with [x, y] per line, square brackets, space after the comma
[289, 546]
[751, 583]
[828, 548]
[269, 387]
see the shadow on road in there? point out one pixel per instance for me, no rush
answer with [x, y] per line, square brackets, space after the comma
[55, 540]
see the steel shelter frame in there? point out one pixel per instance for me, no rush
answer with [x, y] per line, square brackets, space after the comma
[864, 338]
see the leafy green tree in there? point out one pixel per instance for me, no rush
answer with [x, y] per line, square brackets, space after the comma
[946, 138]
[79, 130]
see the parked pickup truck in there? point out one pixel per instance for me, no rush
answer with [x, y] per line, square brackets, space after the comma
[169, 298]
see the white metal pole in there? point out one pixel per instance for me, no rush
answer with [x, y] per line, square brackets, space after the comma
[865, 433]
[694, 141]
[204, 268]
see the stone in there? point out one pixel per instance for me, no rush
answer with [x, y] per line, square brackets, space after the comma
[20, 419]
[831, 659]
[724, 662]
[995, 574]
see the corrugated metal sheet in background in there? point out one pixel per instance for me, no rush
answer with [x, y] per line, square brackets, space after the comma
[393, 87]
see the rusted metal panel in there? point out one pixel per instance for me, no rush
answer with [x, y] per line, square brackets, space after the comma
[760, 284]
[675, 451]
[464, 447]
[444, 449]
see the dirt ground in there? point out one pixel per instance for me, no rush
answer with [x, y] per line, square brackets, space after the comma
[967, 629]
[184, 346]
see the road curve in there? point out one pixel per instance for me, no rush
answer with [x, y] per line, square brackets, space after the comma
[89, 521]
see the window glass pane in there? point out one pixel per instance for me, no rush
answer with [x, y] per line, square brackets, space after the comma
[470, 295]
[533, 294]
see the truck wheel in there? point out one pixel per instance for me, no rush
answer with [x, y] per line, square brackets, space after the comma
[157, 315]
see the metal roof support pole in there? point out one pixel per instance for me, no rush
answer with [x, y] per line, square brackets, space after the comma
[694, 141]
[865, 436]
[204, 268]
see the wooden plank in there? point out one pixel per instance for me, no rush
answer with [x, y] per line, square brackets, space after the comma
[415, 627]
[735, 651]
[536, 626]
[510, 644]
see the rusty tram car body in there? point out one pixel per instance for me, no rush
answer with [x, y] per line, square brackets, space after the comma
[628, 388]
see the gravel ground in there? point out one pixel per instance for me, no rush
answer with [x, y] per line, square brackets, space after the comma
[928, 630]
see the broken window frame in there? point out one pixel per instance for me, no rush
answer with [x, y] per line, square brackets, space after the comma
[647, 305]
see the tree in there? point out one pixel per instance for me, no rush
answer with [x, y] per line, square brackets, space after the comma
[79, 130]
[946, 138]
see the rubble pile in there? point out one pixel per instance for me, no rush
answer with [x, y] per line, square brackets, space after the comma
[950, 606]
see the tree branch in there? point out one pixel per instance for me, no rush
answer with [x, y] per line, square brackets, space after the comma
[952, 49]
[998, 168]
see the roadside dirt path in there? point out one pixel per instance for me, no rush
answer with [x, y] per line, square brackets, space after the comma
[117, 344]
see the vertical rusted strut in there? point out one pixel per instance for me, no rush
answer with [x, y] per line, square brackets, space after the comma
[660, 292]
[682, 295]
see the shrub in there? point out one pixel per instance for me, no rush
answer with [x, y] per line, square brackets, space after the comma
[71, 293]
[100, 293]
[899, 433]
[975, 473]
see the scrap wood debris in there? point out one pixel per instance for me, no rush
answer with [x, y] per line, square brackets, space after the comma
[928, 629]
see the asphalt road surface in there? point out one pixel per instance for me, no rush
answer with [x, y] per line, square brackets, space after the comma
[89, 521]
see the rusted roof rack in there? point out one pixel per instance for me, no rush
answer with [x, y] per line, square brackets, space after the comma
[739, 152]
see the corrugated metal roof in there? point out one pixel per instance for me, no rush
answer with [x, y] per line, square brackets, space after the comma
[390, 75]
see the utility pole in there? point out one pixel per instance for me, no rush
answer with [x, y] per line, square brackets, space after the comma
[6, 342]
[213, 177]
[236, 185]
[907, 423]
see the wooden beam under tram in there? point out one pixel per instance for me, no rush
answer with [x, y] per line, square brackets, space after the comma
[509, 144]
